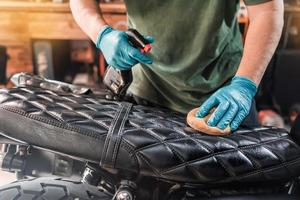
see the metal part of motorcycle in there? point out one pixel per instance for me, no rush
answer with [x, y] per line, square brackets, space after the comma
[93, 175]
[126, 191]
[293, 186]
[14, 158]
[90, 176]
[26, 162]
[25, 79]
[111, 96]
[117, 82]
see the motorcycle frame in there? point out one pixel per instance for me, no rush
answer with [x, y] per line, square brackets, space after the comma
[25, 161]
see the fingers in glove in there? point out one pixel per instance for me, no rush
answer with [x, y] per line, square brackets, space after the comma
[229, 116]
[149, 38]
[122, 61]
[124, 64]
[218, 113]
[138, 56]
[209, 104]
[239, 118]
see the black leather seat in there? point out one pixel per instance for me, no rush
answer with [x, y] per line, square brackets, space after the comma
[122, 137]
[259, 197]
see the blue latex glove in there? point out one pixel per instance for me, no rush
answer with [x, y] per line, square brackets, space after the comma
[117, 50]
[232, 102]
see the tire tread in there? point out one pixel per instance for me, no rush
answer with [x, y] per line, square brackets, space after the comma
[50, 189]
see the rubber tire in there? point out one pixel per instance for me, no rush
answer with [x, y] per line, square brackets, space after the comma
[50, 189]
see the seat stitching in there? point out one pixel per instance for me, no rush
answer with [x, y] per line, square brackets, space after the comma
[284, 164]
[252, 160]
[108, 138]
[256, 172]
[46, 111]
[79, 113]
[275, 154]
[119, 131]
[51, 122]
[127, 147]
[149, 164]
[214, 154]
[224, 166]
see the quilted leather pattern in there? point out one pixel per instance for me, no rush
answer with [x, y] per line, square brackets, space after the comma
[153, 142]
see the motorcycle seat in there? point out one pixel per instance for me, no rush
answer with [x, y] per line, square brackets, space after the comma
[133, 139]
[251, 197]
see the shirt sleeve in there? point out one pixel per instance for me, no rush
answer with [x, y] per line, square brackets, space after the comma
[255, 2]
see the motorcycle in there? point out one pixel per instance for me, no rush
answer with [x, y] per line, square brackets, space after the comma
[67, 142]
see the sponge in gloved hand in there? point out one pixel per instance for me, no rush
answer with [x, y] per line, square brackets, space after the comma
[232, 103]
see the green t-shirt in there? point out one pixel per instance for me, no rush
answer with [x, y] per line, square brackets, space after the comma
[197, 49]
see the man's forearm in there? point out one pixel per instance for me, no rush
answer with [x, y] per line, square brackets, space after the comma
[266, 22]
[88, 16]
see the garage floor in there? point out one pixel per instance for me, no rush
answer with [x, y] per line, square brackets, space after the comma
[6, 178]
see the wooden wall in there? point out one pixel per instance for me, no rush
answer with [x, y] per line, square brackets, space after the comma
[22, 22]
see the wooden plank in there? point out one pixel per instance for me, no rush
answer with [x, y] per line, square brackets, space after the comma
[290, 8]
[53, 26]
[33, 6]
[63, 26]
[14, 29]
[119, 8]
[55, 7]
[20, 26]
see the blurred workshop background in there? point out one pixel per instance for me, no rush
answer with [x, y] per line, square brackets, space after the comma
[41, 37]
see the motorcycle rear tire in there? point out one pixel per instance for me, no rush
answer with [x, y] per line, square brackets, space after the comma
[50, 189]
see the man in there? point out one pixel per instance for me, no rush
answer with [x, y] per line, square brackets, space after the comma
[197, 55]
